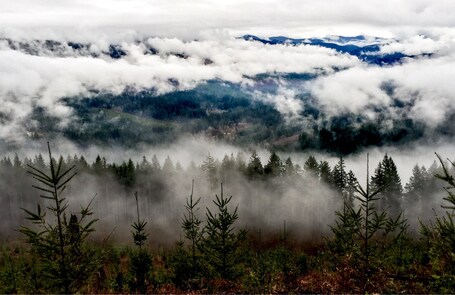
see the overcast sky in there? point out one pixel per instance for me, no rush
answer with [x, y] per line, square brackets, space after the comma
[205, 29]
[188, 19]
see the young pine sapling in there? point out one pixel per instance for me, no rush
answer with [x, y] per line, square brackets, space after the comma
[60, 244]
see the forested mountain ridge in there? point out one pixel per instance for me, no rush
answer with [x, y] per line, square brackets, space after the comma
[273, 109]
[365, 48]
[234, 114]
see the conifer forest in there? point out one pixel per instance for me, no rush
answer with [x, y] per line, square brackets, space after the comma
[227, 147]
[236, 224]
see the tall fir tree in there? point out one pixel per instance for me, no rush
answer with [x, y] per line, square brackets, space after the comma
[325, 173]
[339, 177]
[290, 169]
[350, 189]
[274, 167]
[168, 166]
[311, 166]
[388, 182]
[254, 170]
[210, 168]
[145, 166]
[227, 168]
[156, 166]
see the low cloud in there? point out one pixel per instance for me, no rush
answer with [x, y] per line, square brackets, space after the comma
[30, 81]
[423, 83]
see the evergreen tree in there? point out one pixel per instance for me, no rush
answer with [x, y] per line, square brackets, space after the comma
[325, 174]
[186, 262]
[83, 165]
[145, 166]
[221, 243]
[191, 225]
[311, 166]
[227, 167]
[387, 180]
[156, 167]
[6, 162]
[417, 179]
[209, 166]
[168, 166]
[339, 176]
[141, 261]
[39, 163]
[254, 169]
[440, 233]
[130, 173]
[416, 188]
[350, 189]
[67, 263]
[17, 163]
[178, 168]
[290, 169]
[28, 161]
[274, 167]
[98, 165]
[356, 229]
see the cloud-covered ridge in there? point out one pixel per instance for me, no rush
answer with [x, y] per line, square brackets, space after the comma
[40, 77]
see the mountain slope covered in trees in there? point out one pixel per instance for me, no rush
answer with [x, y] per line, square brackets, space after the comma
[235, 114]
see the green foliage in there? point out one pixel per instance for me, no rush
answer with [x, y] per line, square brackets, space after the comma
[441, 235]
[274, 269]
[126, 173]
[221, 244]
[182, 268]
[254, 169]
[274, 167]
[141, 261]
[370, 250]
[186, 262]
[140, 267]
[311, 166]
[66, 263]
[139, 235]
[386, 179]
[357, 230]
[9, 275]
[340, 177]
[210, 168]
[325, 173]
[191, 225]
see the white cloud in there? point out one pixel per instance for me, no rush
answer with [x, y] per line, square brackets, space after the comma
[424, 82]
[418, 26]
[29, 80]
[420, 44]
[120, 19]
[285, 101]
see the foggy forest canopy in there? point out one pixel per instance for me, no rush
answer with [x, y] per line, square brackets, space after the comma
[280, 209]
[268, 191]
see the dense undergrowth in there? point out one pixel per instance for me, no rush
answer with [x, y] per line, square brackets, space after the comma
[370, 248]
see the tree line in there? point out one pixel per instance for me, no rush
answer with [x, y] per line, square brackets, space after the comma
[131, 175]
[214, 254]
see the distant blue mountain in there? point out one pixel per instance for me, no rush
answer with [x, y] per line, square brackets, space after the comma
[357, 46]
[367, 49]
